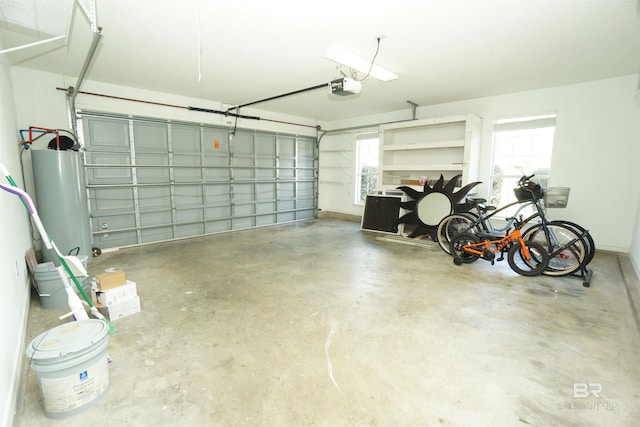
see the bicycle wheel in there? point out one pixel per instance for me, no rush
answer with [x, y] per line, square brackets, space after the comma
[590, 245]
[537, 262]
[457, 251]
[559, 238]
[451, 225]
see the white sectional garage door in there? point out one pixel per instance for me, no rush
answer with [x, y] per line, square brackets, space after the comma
[152, 180]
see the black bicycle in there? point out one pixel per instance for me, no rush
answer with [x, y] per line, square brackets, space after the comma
[570, 246]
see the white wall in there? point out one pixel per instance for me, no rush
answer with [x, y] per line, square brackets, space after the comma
[595, 153]
[15, 233]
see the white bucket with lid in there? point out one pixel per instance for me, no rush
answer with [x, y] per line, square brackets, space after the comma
[72, 366]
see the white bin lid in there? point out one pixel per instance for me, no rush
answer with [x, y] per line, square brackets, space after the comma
[72, 337]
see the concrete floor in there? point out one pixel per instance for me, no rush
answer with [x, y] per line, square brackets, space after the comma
[319, 323]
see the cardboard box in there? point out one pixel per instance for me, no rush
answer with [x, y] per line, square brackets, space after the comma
[122, 308]
[113, 295]
[410, 181]
[111, 279]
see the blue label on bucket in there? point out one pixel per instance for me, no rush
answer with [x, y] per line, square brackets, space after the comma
[84, 375]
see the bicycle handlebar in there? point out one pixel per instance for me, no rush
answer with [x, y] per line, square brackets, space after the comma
[524, 179]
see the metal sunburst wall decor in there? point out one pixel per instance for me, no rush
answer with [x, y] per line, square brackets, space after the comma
[427, 208]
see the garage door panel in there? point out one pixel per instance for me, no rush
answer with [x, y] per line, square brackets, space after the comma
[116, 239]
[151, 137]
[243, 192]
[188, 215]
[265, 169]
[266, 145]
[286, 190]
[305, 214]
[152, 168]
[188, 168]
[102, 134]
[242, 210]
[305, 190]
[241, 223]
[242, 144]
[153, 180]
[270, 207]
[189, 230]
[218, 212]
[185, 139]
[262, 220]
[111, 223]
[217, 194]
[306, 148]
[216, 141]
[217, 168]
[286, 205]
[155, 218]
[109, 168]
[266, 191]
[154, 197]
[111, 199]
[156, 234]
[286, 217]
[218, 226]
[286, 146]
[188, 196]
[304, 204]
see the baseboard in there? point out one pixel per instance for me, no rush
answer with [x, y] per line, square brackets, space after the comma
[14, 404]
[635, 266]
[340, 215]
[632, 286]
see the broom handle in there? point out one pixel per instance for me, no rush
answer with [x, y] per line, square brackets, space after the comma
[28, 203]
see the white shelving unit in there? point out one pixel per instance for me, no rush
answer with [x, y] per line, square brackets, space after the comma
[445, 146]
[341, 170]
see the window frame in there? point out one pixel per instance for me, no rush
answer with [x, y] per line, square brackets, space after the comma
[530, 122]
[360, 139]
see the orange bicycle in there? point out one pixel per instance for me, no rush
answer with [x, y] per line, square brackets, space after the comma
[525, 257]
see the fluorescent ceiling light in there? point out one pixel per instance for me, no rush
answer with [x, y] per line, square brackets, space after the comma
[350, 60]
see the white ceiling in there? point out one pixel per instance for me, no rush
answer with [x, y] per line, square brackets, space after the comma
[241, 51]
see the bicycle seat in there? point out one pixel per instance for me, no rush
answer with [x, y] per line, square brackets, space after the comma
[484, 208]
[475, 200]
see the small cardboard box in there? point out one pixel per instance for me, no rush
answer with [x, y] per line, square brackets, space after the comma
[113, 295]
[122, 308]
[111, 279]
[410, 181]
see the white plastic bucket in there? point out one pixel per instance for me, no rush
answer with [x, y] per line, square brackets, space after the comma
[72, 366]
[50, 287]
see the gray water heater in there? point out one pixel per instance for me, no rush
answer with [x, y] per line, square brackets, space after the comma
[62, 202]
